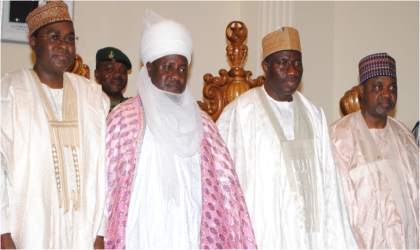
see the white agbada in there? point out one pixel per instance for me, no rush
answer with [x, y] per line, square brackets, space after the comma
[155, 222]
[29, 202]
[275, 210]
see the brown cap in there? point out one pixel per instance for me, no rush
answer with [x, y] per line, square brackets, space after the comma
[51, 12]
[286, 38]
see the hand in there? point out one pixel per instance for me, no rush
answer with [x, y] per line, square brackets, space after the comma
[7, 241]
[99, 243]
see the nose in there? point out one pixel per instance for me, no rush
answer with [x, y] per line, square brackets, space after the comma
[116, 73]
[63, 45]
[175, 75]
[385, 92]
[291, 70]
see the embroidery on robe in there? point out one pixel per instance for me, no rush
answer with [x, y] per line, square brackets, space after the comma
[63, 135]
[298, 155]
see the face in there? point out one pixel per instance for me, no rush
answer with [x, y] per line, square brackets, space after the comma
[112, 76]
[169, 73]
[53, 57]
[378, 96]
[283, 72]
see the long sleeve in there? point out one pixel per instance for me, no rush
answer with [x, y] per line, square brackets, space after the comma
[102, 188]
[330, 161]
[7, 95]
[230, 129]
[4, 198]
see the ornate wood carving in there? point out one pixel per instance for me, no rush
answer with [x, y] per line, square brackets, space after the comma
[349, 103]
[222, 89]
[79, 68]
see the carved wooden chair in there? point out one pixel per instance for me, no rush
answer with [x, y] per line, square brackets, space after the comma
[220, 91]
[349, 103]
[79, 68]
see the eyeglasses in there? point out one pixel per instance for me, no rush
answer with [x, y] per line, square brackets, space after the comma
[58, 39]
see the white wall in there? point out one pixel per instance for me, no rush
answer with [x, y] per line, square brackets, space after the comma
[315, 23]
[334, 37]
[363, 28]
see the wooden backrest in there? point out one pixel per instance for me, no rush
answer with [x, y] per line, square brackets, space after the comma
[349, 103]
[79, 68]
[221, 90]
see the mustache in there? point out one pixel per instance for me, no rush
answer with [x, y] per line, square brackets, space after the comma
[293, 79]
[386, 100]
[117, 78]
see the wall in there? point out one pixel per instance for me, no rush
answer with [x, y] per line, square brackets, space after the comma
[334, 37]
[315, 22]
[363, 28]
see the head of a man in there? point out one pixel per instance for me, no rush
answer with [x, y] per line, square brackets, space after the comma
[378, 86]
[282, 63]
[52, 37]
[111, 71]
[165, 49]
[169, 73]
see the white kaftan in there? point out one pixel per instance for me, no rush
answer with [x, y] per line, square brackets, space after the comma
[29, 202]
[157, 223]
[276, 210]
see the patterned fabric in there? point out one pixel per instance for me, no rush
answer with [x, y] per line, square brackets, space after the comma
[380, 64]
[52, 11]
[64, 134]
[225, 221]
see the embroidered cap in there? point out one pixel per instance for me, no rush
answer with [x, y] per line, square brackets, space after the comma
[112, 54]
[380, 64]
[285, 38]
[51, 12]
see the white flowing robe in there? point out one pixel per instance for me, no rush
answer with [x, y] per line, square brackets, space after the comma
[29, 201]
[154, 222]
[256, 152]
[382, 195]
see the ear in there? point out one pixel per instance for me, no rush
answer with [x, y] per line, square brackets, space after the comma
[361, 90]
[264, 66]
[32, 42]
[96, 75]
[149, 67]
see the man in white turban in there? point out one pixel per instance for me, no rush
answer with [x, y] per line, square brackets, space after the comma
[172, 183]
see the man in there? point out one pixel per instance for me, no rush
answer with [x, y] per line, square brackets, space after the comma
[172, 183]
[279, 143]
[53, 177]
[111, 72]
[378, 160]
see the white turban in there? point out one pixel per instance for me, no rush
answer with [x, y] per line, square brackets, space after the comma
[163, 37]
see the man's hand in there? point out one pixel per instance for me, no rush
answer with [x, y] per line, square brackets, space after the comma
[99, 242]
[7, 241]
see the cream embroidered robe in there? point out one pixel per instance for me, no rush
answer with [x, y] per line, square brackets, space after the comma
[380, 172]
[284, 216]
[30, 205]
